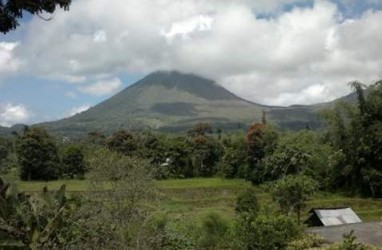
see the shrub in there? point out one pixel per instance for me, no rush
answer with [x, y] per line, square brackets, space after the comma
[267, 232]
[247, 204]
[307, 241]
[214, 229]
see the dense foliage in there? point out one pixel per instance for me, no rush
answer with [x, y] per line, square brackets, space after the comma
[35, 222]
[37, 155]
[73, 161]
[292, 192]
[12, 10]
[356, 134]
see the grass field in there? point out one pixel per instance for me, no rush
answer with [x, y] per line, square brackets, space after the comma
[191, 199]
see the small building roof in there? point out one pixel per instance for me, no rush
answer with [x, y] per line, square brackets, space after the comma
[336, 216]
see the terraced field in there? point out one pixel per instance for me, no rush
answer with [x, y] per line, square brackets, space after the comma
[191, 199]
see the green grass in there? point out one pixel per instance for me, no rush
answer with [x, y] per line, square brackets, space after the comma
[201, 183]
[37, 186]
[191, 199]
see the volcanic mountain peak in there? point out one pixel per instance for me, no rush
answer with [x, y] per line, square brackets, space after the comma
[174, 101]
[190, 83]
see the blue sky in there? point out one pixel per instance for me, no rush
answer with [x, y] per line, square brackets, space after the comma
[276, 52]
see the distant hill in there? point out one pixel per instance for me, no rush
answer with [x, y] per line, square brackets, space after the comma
[3, 130]
[174, 101]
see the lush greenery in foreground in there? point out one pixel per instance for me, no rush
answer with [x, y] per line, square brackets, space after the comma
[184, 205]
[151, 191]
[198, 196]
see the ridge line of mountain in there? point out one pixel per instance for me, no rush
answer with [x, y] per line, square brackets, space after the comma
[171, 100]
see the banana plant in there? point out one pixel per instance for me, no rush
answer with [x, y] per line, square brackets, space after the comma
[31, 221]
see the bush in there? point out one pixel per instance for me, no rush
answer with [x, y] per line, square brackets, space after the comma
[306, 242]
[129, 187]
[214, 229]
[247, 204]
[267, 232]
[163, 236]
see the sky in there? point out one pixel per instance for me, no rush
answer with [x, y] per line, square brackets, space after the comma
[274, 52]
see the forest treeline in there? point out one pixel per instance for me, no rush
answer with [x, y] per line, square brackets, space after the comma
[347, 156]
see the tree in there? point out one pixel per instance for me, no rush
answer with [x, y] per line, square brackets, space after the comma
[95, 138]
[73, 161]
[150, 146]
[234, 159]
[247, 205]
[292, 192]
[126, 182]
[267, 232]
[355, 132]
[205, 154]
[261, 140]
[12, 10]
[177, 151]
[297, 153]
[200, 129]
[4, 152]
[37, 155]
[123, 142]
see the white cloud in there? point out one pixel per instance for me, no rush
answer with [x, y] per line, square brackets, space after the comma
[8, 62]
[276, 60]
[76, 110]
[186, 27]
[103, 87]
[99, 36]
[11, 114]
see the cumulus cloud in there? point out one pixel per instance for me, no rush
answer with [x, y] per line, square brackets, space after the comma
[8, 62]
[76, 110]
[104, 87]
[11, 114]
[186, 27]
[306, 54]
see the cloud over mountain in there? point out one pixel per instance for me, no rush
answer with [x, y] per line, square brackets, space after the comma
[103, 87]
[260, 50]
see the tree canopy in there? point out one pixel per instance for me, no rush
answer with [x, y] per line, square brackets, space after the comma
[356, 132]
[13, 10]
[37, 155]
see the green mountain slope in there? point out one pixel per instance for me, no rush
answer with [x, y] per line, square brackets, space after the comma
[173, 101]
[165, 101]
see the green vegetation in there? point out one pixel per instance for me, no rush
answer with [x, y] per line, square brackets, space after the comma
[38, 155]
[13, 10]
[292, 193]
[149, 190]
[188, 201]
[198, 196]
